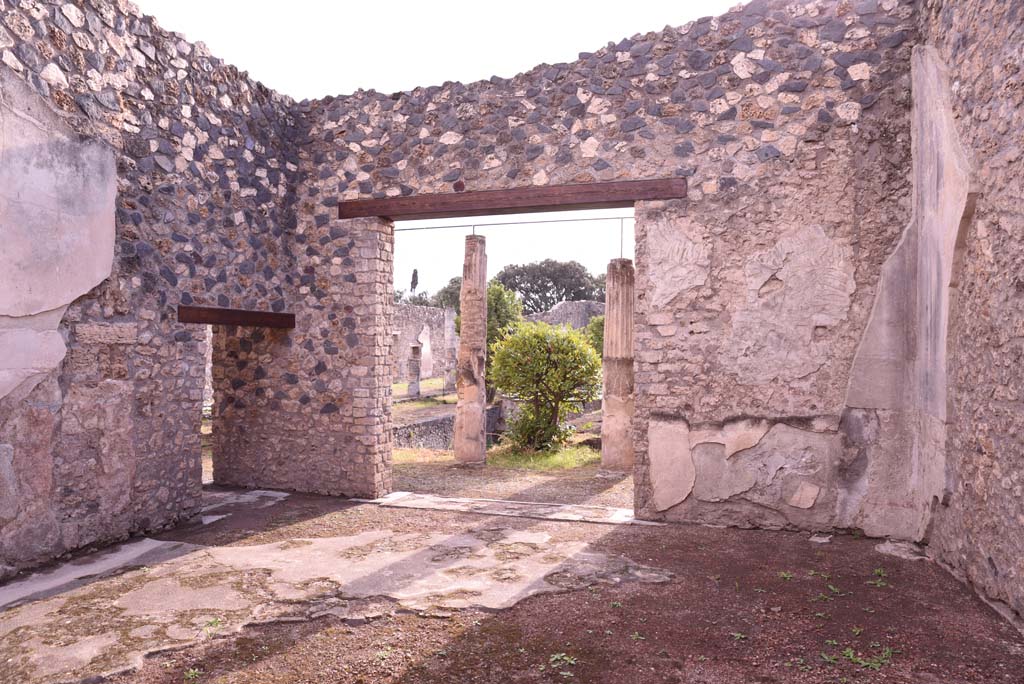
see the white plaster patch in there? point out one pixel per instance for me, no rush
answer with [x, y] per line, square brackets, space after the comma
[56, 207]
[57, 214]
[680, 259]
[672, 472]
[718, 477]
[735, 436]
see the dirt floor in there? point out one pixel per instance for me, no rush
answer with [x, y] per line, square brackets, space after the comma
[671, 604]
[741, 606]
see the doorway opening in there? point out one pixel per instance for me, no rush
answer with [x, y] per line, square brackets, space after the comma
[553, 265]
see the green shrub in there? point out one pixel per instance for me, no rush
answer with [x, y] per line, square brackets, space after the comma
[595, 333]
[504, 311]
[549, 371]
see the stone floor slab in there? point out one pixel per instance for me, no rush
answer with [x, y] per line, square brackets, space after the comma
[518, 509]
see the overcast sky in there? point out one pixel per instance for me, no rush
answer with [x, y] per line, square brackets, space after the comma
[313, 48]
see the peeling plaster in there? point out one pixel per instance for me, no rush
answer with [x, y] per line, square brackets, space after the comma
[901, 367]
[681, 256]
[803, 282]
[57, 216]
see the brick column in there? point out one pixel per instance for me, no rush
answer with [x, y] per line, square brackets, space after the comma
[617, 402]
[470, 439]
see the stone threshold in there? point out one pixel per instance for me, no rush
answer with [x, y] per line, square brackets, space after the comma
[605, 515]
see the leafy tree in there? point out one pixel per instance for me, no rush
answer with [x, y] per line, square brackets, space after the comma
[415, 280]
[543, 284]
[418, 298]
[448, 296]
[550, 371]
[504, 312]
[599, 287]
[594, 333]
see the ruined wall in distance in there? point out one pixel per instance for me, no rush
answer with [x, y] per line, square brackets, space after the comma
[573, 314]
[433, 330]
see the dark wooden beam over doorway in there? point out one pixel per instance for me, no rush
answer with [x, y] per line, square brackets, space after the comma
[209, 315]
[517, 200]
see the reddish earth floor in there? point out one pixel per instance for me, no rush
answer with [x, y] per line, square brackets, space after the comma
[742, 606]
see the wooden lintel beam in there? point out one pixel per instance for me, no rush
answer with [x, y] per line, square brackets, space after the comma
[209, 315]
[517, 200]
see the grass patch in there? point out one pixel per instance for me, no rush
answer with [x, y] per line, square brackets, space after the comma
[565, 458]
[404, 407]
[399, 456]
[428, 385]
[507, 456]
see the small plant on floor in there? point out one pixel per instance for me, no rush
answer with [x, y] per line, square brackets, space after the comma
[193, 674]
[560, 659]
[786, 575]
[879, 580]
[871, 662]
[549, 371]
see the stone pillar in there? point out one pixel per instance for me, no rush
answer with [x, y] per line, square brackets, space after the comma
[617, 402]
[470, 439]
[415, 370]
[451, 350]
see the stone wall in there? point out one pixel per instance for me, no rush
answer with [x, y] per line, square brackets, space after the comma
[791, 124]
[107, 443]
[573, 314]
[430, 328]
[783, 377]
[979, 525]
[309, 410]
